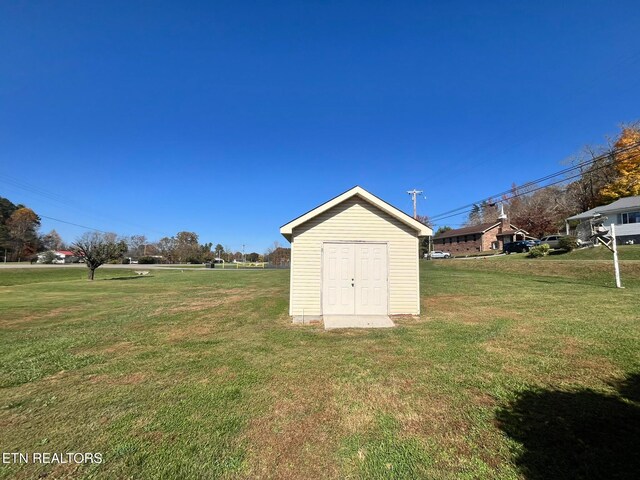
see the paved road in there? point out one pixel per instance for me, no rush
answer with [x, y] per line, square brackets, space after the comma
[131, 267]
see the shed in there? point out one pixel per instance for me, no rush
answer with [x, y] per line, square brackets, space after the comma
[354, 255]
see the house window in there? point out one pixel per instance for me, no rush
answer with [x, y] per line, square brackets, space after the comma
[629, 217]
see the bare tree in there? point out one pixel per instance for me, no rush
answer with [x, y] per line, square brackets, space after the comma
[98, 248]
[541, 212]
[424, 219]
[484, 212]
[52, 241]
[136, 245]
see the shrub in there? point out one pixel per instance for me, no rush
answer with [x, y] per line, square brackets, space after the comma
[147, 260]
[48, 257]
[539, 251]
[568, 243]
[194, 260]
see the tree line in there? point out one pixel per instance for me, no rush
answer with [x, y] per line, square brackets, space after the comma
[19, 232]
[21, 240]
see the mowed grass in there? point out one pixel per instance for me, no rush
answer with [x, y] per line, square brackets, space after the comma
[625, 252]
[516, 369]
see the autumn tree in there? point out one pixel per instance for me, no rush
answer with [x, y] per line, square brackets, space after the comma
[187, 246]
[627, 166]
[280, 256]
[97, 248]
[22, 227]
[205, 252]
[167, 248]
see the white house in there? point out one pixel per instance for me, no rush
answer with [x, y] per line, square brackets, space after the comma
[354, 255]
[623, 213]
[59, 256]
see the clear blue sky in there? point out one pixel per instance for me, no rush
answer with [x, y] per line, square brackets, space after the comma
[231, 118]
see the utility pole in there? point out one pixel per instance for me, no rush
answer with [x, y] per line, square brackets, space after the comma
[243, 253]
[414, 194]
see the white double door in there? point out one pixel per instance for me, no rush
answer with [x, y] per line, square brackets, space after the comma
[354, 279]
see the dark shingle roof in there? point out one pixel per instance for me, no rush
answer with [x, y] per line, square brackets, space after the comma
[480, 228]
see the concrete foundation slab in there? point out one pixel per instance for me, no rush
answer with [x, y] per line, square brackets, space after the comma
[357, 321]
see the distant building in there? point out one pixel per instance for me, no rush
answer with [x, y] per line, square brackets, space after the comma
[61, 256]
[623, 213]
[479, 238]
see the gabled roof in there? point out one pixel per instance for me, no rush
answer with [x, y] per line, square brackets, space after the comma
[619, 205]
[513, 230]
[480, 228]
[423, 230]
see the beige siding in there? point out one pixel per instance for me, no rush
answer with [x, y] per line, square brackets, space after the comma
[354, 220]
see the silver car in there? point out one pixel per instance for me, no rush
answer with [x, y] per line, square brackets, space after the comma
[552, 240]
[439, 254]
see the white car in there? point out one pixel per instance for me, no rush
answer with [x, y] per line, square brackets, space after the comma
[439, 254]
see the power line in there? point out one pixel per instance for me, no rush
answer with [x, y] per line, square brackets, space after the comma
[71, 223]
[524, 193]
[520, 194]
[525, 186]
[52, 196]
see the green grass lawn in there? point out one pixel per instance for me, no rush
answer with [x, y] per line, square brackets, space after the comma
[516, 369]
[625, 252]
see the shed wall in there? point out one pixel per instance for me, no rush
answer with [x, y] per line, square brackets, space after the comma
[354, 220]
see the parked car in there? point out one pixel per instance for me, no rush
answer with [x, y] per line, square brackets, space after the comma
[439, 254]
[519, 247]
[552, 240]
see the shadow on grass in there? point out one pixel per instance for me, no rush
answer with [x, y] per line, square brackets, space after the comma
[554, 253]
[559, 280]
[576, 434]
[129, 278]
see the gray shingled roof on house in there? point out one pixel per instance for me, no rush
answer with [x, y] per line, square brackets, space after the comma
[617, 206]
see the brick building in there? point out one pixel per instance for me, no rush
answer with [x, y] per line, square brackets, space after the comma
[479, 238]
